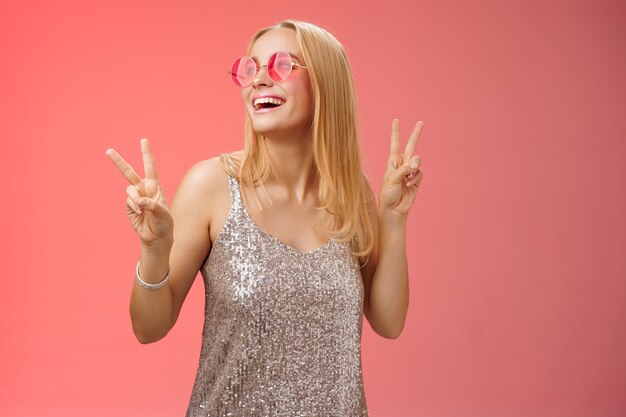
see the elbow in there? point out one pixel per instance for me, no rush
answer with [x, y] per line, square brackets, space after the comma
[146, 338]
[148, 330]
[391, 332]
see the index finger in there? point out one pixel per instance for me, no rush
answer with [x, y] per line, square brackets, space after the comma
[149, 166]
[126, 170]
[412, 143]
[394, 147]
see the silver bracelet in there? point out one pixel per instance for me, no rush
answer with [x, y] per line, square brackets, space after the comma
[149, 286]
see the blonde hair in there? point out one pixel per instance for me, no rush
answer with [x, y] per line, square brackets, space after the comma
[343, 189]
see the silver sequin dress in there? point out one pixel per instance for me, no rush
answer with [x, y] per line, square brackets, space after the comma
[282, 328]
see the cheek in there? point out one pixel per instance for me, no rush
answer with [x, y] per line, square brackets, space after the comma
[310, 101]
[245, 94]
[305, 93]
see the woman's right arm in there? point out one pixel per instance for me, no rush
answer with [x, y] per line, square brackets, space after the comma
[179, 250]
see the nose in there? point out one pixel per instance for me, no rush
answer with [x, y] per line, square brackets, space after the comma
[262, 77]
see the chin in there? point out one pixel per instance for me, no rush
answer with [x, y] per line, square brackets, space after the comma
[266, 129]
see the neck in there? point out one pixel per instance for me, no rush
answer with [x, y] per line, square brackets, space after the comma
[292, 161]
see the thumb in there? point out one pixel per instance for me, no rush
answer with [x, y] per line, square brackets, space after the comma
[401, 173]
[153, 206]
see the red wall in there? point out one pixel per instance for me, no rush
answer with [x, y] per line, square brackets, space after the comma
[518, 235]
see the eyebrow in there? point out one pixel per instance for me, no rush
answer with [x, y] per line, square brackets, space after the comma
[256, 59]
[294, 56]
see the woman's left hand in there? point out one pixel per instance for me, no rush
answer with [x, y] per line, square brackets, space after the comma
[402, 176]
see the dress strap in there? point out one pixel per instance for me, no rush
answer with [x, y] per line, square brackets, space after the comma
[230, 165]
[233, 183]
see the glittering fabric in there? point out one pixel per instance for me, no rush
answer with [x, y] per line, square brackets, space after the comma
[282, 328]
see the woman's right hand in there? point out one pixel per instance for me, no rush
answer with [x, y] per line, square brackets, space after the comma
[145, 203]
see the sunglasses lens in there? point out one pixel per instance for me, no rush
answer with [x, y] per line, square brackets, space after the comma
[243, 71]
[279, 66]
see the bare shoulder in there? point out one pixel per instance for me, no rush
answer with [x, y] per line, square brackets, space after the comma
[204, 195]
[204, 175]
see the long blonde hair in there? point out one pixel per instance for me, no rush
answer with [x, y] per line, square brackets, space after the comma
[336, 155]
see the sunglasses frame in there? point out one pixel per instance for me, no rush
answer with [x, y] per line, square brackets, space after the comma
[274, 75]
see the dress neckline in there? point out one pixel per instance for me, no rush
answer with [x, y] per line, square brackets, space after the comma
[246, 213]
[234, 183]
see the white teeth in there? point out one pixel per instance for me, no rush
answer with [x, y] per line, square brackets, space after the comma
[271, 100]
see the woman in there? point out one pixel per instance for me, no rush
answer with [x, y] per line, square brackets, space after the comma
[287, 236]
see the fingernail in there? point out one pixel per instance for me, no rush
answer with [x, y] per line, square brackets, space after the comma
[414, 165]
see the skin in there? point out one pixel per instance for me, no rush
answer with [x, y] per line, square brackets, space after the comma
[202, 202]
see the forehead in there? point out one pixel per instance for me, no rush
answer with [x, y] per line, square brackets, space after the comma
[282, 39]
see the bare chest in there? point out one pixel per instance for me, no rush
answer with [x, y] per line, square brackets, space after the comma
[294, 222]
[294, 225]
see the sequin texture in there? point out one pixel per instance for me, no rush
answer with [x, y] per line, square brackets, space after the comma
[282, 332]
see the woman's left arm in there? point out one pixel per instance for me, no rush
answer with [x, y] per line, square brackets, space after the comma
[386, 279]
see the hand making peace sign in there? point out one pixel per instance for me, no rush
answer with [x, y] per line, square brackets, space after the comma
[145, 205]
[402, 176]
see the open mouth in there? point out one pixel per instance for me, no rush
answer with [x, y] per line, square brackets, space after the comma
[267, 103]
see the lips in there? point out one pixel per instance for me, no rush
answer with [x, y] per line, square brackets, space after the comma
[266, 102]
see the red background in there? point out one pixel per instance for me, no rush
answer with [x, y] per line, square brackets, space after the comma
[517, 238]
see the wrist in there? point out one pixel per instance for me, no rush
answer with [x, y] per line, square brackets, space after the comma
[391, 218]
[158, 246]
[154, 264]
[156, 257]
[148, 285]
